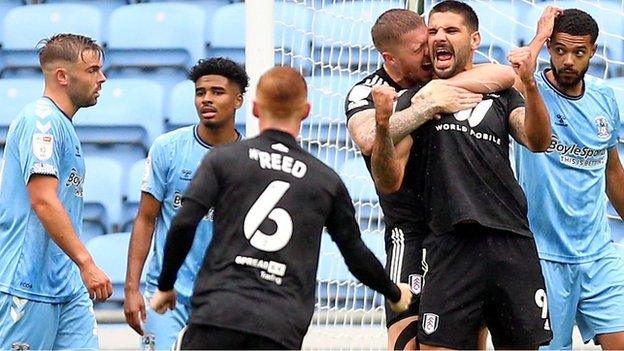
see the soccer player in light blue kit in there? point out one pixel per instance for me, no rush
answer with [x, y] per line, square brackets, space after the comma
[173, 158]
[567, 187]
[46, 273]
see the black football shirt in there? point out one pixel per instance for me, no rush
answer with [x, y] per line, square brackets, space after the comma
[464, 171]
[271, 201]
[402, 208]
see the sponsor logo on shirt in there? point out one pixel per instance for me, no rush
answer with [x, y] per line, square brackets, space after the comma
[269, 270]
[75, 180]
[578, 156]
[474, 117]
[186, 174]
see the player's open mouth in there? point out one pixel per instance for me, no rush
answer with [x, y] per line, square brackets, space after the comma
[443, 56]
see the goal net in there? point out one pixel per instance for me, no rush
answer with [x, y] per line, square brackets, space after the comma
[329, 41]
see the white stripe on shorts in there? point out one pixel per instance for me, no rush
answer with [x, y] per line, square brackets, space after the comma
[398, 250]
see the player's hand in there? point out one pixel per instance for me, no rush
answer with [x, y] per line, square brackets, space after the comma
[97, 282]
[444, 98]
[384, 98]
[523, 63]
[163, 300]
[134, 310]
[546, 23]
[405, 301]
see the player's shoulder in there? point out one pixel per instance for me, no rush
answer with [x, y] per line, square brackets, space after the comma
[597, 86]
[173, 137]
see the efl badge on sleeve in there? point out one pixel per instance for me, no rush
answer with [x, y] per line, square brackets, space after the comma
[42, 146]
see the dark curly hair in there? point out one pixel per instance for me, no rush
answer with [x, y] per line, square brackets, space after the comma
[221, 66]
[576, 22]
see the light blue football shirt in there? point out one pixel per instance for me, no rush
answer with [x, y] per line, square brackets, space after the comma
[565, 186]
[41, 140]
[169, 168]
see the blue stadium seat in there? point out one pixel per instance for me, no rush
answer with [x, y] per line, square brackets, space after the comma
[106, 7]
[129, 111]
[14, 94]
[132, 195]
[155, 35]
[110, 253]
[181, 110]
[327, 120]
[292, 22]
[342, 33]
[102, 195]
[19, 47]
[5, 7]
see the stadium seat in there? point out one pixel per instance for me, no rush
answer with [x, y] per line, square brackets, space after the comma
[181, 110]
[106, 7]
[155, 35]
[129, 111]
[342, 33]
[14, 94]
[5, 7]
[110, 253]
[132, 195]
[102, 195]
[292, 23]
[19, 47]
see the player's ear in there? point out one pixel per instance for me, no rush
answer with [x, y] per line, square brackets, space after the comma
[475, 40]
[306, 110]
[593, 50]
[239, 101]
[255, 109]
[61, 76]
[387, 57]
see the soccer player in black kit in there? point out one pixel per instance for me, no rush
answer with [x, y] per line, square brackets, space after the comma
[401, 37]
[480, 260]
[271, 200]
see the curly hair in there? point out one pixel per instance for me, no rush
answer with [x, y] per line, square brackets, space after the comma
[221, 66]
[576, 22]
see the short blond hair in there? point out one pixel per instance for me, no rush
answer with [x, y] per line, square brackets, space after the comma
[282, 91]
[391, 25]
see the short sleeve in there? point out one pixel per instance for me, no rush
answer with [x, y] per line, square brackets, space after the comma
[155, 171]
[514, 100]
[358, 99]
[616, 121]
[40, 142]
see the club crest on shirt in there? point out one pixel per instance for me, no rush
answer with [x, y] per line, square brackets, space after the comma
[42, 146]
[415, 283]
[430, 323]
[604, 128]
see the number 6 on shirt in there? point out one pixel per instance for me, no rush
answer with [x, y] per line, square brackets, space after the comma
[263, 207]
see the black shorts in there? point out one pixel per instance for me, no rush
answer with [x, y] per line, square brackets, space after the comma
[476, 276]
[205, 337]
[404, 264]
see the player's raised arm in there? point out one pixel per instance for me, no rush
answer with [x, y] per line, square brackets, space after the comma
[484, 78]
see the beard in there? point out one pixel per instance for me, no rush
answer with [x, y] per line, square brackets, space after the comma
[566, 84]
